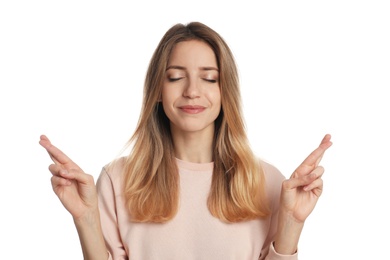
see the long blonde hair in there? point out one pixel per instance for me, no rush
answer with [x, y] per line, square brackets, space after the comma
[151, 183]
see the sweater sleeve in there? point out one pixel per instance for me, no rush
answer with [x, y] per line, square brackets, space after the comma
[107, 208]
[274, 180]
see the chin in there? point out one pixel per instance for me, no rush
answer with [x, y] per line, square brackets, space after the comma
[194, 128]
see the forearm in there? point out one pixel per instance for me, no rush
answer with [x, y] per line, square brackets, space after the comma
[288, 234]
[91, 237]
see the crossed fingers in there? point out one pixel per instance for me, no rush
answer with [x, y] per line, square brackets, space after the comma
[314, 158]
[56, 155]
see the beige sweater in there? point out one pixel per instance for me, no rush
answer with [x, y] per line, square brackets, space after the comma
[193, 234]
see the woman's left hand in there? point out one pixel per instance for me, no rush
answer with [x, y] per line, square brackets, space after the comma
[301, 192]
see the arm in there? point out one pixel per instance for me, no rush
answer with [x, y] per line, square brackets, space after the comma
[77, 192]
[91, 236]
[298, 198]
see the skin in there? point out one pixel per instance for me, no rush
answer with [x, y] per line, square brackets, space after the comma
[191, 99]
[299, 196]
[77, 192]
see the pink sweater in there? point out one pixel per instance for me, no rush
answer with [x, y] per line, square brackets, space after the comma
[193, 234]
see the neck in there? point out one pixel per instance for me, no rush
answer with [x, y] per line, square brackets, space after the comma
[193, 147]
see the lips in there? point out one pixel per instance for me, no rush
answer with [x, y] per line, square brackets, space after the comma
[192, 109]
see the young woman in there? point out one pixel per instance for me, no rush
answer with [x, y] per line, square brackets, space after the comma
[191, 188]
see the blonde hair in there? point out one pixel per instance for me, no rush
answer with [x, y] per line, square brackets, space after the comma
[151, 186]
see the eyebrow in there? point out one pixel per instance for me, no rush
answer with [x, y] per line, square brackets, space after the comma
[183, 68]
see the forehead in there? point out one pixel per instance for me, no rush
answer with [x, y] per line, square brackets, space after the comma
[192, 51]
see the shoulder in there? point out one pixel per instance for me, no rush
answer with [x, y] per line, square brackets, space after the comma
[115, 168]
[112, 172]
[273, 179]
[271, 173]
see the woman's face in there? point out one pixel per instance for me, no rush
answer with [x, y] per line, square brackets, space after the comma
[191, 96]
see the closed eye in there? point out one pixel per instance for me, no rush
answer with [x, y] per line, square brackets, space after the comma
[174, 79]
[211, 80]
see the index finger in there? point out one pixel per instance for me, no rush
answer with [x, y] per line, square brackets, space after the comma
[57, 156]
[315, 157]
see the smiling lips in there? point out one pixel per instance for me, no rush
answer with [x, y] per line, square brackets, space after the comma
[192, 109]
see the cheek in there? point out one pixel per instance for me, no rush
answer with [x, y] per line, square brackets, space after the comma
[166, 108]
[167, 101]
[215, 97]
[165, 95]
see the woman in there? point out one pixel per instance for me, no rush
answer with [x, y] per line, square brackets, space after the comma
[191, 188]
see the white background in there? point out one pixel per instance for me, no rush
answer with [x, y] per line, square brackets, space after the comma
[74, 70]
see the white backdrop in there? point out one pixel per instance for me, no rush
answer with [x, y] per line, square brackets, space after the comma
[74, 70]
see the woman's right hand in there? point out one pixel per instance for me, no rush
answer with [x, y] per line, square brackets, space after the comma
[75, 189]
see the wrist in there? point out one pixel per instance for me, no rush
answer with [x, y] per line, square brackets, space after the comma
[288, 234]
[90, 234]
[89, 218]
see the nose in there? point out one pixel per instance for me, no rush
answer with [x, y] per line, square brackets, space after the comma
[192, 89]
